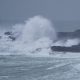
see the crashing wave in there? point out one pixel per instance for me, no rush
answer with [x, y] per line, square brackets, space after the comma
[33, 36]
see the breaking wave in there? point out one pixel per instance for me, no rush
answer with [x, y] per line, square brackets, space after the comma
[67, 42]
[33, 36]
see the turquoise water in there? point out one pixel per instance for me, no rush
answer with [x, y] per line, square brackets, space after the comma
[27, 68]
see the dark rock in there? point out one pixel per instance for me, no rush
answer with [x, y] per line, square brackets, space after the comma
[12, 38]
[8, 33]
[75, 48]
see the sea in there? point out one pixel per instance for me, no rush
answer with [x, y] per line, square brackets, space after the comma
[29, 57]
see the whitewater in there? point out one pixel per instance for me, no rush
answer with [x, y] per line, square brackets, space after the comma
[29, 56]
[33, 36]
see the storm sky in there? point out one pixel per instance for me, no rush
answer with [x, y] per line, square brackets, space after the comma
[56, 10]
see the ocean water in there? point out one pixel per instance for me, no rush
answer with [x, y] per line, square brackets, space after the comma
[38, 68]
[29, 56]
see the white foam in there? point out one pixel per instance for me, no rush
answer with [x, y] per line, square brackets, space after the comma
[67, 42]
[33, 36]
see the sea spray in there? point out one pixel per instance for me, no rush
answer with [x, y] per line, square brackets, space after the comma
[71, 42]
[67, 42]
[35, 35]
[34, 28]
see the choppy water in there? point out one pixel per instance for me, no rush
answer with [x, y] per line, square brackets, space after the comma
[35, 36]
[28, 68]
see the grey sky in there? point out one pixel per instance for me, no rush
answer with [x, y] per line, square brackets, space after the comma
[53, 9]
